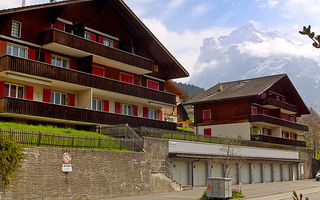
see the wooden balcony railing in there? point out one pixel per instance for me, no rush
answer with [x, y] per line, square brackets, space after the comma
[81, 78]
[277, 121]
[277, 140]
[79, 43]
[279, 104]
[40, 109]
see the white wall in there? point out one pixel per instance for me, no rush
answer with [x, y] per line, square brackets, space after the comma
[235, 130]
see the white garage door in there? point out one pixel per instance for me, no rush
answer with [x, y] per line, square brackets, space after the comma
[257, 173]
[199, 174]
[245, 173]
[216, 170]
[276, 172]
[233, 174]
[286, 172]
[295, 171]
[180, 172]
[267, 172]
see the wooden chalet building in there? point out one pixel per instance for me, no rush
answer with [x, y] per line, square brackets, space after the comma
[83, 63]
[260, 109]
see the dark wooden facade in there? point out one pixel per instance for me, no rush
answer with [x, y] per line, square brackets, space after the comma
[40, 109]
[277, 140]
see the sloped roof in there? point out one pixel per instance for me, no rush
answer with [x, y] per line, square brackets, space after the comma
[236, 89]
[173, 88]
[161, 54]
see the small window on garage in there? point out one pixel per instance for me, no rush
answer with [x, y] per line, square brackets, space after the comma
[207, 131]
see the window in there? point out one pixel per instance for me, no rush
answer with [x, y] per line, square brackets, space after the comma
[278, 98]
[58, 98]
[152, 85]
[292, 118]
[206, 114]
[16, 29]
[12, 90]
[99, 71]
[285, 135]
[107, 42]
[155, 68]
[15, 50]
[126, 109]
[207, 131]
[285, 117]
[265, 111]
[284, 99]
[153, 114]
[127, 78]
[254, 110]
[266, 131]
[60, 61]
[96, 104]
[87, 35]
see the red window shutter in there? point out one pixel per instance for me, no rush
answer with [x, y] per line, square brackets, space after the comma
[126, 78]
[270, 132]
[73, 64]
[115, 44]
[152, 85]
[31, 54]
[100, 38]
[46, 95]
[93, 37]
[135, 111]
[72, 99]
[160, 114]
[254, 110]
[106, 106]
[145, 112]
[99, 71]
[207, 131]
[29, 92]
[47, 57]
[118, 107]
[59, 26]
[2, 88]
[3, 48]
[263, 131]
[266, 112]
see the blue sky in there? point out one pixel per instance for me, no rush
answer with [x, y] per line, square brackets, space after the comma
[181, 25]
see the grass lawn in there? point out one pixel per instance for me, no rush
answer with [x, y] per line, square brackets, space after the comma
[185, 129]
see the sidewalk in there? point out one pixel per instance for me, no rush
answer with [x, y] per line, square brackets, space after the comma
[251, 191]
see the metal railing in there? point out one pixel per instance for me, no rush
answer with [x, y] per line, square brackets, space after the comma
[29, 138]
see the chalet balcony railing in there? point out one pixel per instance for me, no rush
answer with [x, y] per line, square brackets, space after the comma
[277, 121]
[79, 43]
[279, 104]
[277, 140]
[10, 63]
[40, 109]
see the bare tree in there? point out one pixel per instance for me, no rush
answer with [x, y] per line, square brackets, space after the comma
[313, 135]
[230, 156]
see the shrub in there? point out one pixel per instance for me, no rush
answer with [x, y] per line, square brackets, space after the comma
[11, 155]
[237, 193]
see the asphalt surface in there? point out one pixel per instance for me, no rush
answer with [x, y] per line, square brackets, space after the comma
[259, 191]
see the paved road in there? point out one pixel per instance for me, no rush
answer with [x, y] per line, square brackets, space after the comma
[260, 191]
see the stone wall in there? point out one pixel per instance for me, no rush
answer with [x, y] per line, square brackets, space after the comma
[306, 158]
[95, 175]
[158, 150]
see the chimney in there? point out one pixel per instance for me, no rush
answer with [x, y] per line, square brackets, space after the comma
[220, 87]
[23, 3]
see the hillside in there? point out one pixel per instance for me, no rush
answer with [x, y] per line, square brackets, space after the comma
[190, 89]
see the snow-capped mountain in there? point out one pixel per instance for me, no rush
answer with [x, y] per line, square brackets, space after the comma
[247, 52]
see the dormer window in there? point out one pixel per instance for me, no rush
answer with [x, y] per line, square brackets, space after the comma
[16, 29]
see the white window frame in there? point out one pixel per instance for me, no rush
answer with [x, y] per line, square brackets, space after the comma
[203, 114]
[155, 114]
[9, 90]
[55, 57]
[125, 108]
[87, 35]
[19, 47]
[96, 104]
[60, 100]
[12, 31]
[109, 40]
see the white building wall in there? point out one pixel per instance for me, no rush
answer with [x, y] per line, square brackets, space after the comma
[236, 130]
[180, 172]
[199, 174]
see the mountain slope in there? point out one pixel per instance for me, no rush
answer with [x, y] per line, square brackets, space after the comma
[248, 52]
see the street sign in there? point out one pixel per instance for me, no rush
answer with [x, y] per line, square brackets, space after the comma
[66, 168]
[66, 158]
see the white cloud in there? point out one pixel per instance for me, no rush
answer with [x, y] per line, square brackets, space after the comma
[270, 3]
[185, 46]
[200, 10]
[176, 3]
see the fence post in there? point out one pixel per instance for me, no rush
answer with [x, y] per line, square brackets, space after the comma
[39, 139]
[72, 144]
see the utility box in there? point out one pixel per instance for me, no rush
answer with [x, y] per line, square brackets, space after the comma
[218, 187]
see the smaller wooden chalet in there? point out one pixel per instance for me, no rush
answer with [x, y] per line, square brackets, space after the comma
[261, 109]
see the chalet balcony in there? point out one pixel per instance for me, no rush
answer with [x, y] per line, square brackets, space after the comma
[45, 110]
[79, 47]
[279, 104]
[34, 68]
[277, 121]
[277, 140]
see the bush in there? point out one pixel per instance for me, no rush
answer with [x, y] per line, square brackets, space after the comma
[11, 155]
[237, 193]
